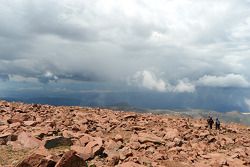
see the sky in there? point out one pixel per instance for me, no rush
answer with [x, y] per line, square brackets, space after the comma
[165, 46]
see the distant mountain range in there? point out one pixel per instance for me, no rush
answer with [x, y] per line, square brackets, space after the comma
[229, 116]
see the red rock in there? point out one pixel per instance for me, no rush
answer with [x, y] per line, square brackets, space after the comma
[70, 134]
[67, 122]
[53, 157]
[40, 134]
[178, 142]
[125, 152]
[159, 139]
[145, 161]
[171, 134]
[47, 163]
[76, 128]
[150, 150]
[42, 151]
[113, 158]
[130, 115]
[20, 110]
[158, 156]
[83, 128]
[112, 145]
[134, 145]
[92, 148]
[11, 121]
[204, 134]
[96, 144]
[29, 123]
[16, 146]
[137, 128]
[28, 141]
[4, 138]
[176, 164]
[118, 137]
[85, 139]
[31, 161]
[175, 149]
[3, 127]
[80, 151]
[130, 164]
[15, 125]
[227, 140]
[147, 137]
[70, 159]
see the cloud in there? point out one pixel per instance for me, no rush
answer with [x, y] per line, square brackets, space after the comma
[47, 77]
[148, 79]
[4, 77]
[107, 41]
[229, 80]
[247, 102]
[184, 86]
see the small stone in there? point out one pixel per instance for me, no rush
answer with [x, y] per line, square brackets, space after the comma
[113, 158]
[118, 137]
[134, 145]
[29, 123]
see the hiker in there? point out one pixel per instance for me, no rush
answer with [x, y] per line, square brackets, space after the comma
[217, 124]
[210, 122]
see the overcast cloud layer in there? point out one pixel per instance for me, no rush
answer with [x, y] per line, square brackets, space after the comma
[166, 46]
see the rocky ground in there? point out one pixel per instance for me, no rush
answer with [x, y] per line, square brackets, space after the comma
[33, 135]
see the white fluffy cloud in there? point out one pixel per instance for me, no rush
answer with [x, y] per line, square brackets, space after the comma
[229, 80]
[149, 80]
[184, 86]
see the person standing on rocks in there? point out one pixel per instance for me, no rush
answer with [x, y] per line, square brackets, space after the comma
[217, 124]
[210, 122]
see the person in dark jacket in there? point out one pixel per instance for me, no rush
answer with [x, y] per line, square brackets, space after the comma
[210, 122]
[217, 124]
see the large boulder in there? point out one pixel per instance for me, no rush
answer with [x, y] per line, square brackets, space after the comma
[95, 146]
[57, 141]
[28, 141]
[70, 159]
[36, 160]
[92, 149]
[32, 160]
[148, 137]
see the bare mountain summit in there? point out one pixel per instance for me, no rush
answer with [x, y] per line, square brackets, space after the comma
[33, 135]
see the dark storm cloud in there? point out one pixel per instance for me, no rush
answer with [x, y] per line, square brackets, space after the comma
[4, 77]
[164, 46]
